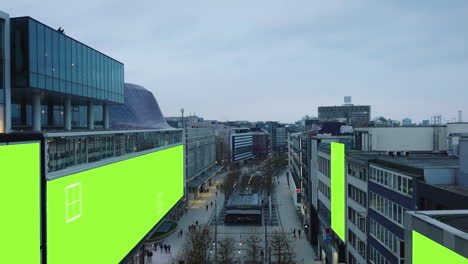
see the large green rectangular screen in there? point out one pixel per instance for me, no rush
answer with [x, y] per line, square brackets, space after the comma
[427, 251]
[99, 215]
[20, 203]
[337, 190]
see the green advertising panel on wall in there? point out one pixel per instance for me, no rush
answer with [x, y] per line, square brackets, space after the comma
[20, 220]
[337, 190]
[99, 215]
[427, 251]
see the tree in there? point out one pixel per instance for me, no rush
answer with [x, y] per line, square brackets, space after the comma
[253, 250]
[226, 250]
[196, 246]
[228, 185]
[282, 250]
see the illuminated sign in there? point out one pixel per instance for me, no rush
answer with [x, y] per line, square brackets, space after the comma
[338, 190]
[426, 250]
[20, 203]
[100, 215]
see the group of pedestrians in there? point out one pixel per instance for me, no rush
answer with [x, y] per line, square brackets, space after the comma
[193, 227]
[180, 233]
[161, 246]
[298, 233]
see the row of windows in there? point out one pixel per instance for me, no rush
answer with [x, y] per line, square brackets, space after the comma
[324, 213]
[59, 85]
[21, 116]
[200, 156]
[324, 189]
[384, 236]
[376, 257]
[352, 259]
[357, 219]
[242, 150]
[324, 166]
[393, 181]
[55, 55]
[387, 208]
[358, 244]
[71, 151]
[357, 195]
[357, 172]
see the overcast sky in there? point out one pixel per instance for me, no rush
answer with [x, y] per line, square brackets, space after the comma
[278, 60]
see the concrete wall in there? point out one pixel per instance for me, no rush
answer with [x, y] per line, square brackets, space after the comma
[462, 178]
[403, 138]
[440, 176]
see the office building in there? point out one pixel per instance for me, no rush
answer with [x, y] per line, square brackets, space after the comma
[241, 144]
[78, 186]
[401, 139]
[200, 160]
[406, 122]
[259, 142]
[277, 136]
[57, 81]
[349, 113]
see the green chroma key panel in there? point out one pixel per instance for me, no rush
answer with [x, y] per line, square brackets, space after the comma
[20, 223]
[338, 190]
[100, 215]
[427, 251]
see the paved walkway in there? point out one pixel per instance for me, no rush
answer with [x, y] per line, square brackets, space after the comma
[289, 220]
[287, 216]
[197, 212]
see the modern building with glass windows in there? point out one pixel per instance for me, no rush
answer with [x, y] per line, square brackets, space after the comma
[4, 71]
[70, 183]
[58, 82]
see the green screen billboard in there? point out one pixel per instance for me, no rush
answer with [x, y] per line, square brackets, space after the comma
[20, 203]
[338, 190]
[427, 251]
[99, 215]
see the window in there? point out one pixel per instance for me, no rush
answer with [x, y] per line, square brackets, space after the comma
[387, 208]
[398, 183]
[384, 236]
[357, 195]
[73, 202]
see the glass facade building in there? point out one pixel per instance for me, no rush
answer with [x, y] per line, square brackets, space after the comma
[46, 59]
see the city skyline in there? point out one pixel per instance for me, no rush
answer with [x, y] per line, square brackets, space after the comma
[405, 60]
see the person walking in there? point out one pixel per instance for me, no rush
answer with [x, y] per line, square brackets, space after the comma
[155, 245]
[150, 255]
[196, 222]
[211, 204]
[299, 232]
[294, 232]
[216, 193]
[207, 207]
[165, 248]
[169, 248]
[161, 246]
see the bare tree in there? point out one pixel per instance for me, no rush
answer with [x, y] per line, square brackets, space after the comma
[196, 246]
[226, 251]
[231, 179]
[253, 250]
[282, 250]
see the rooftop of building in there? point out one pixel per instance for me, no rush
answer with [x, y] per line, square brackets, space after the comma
[454, 188]
[423, 160]
[67, 36]
[244, 200]
[446, 219]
